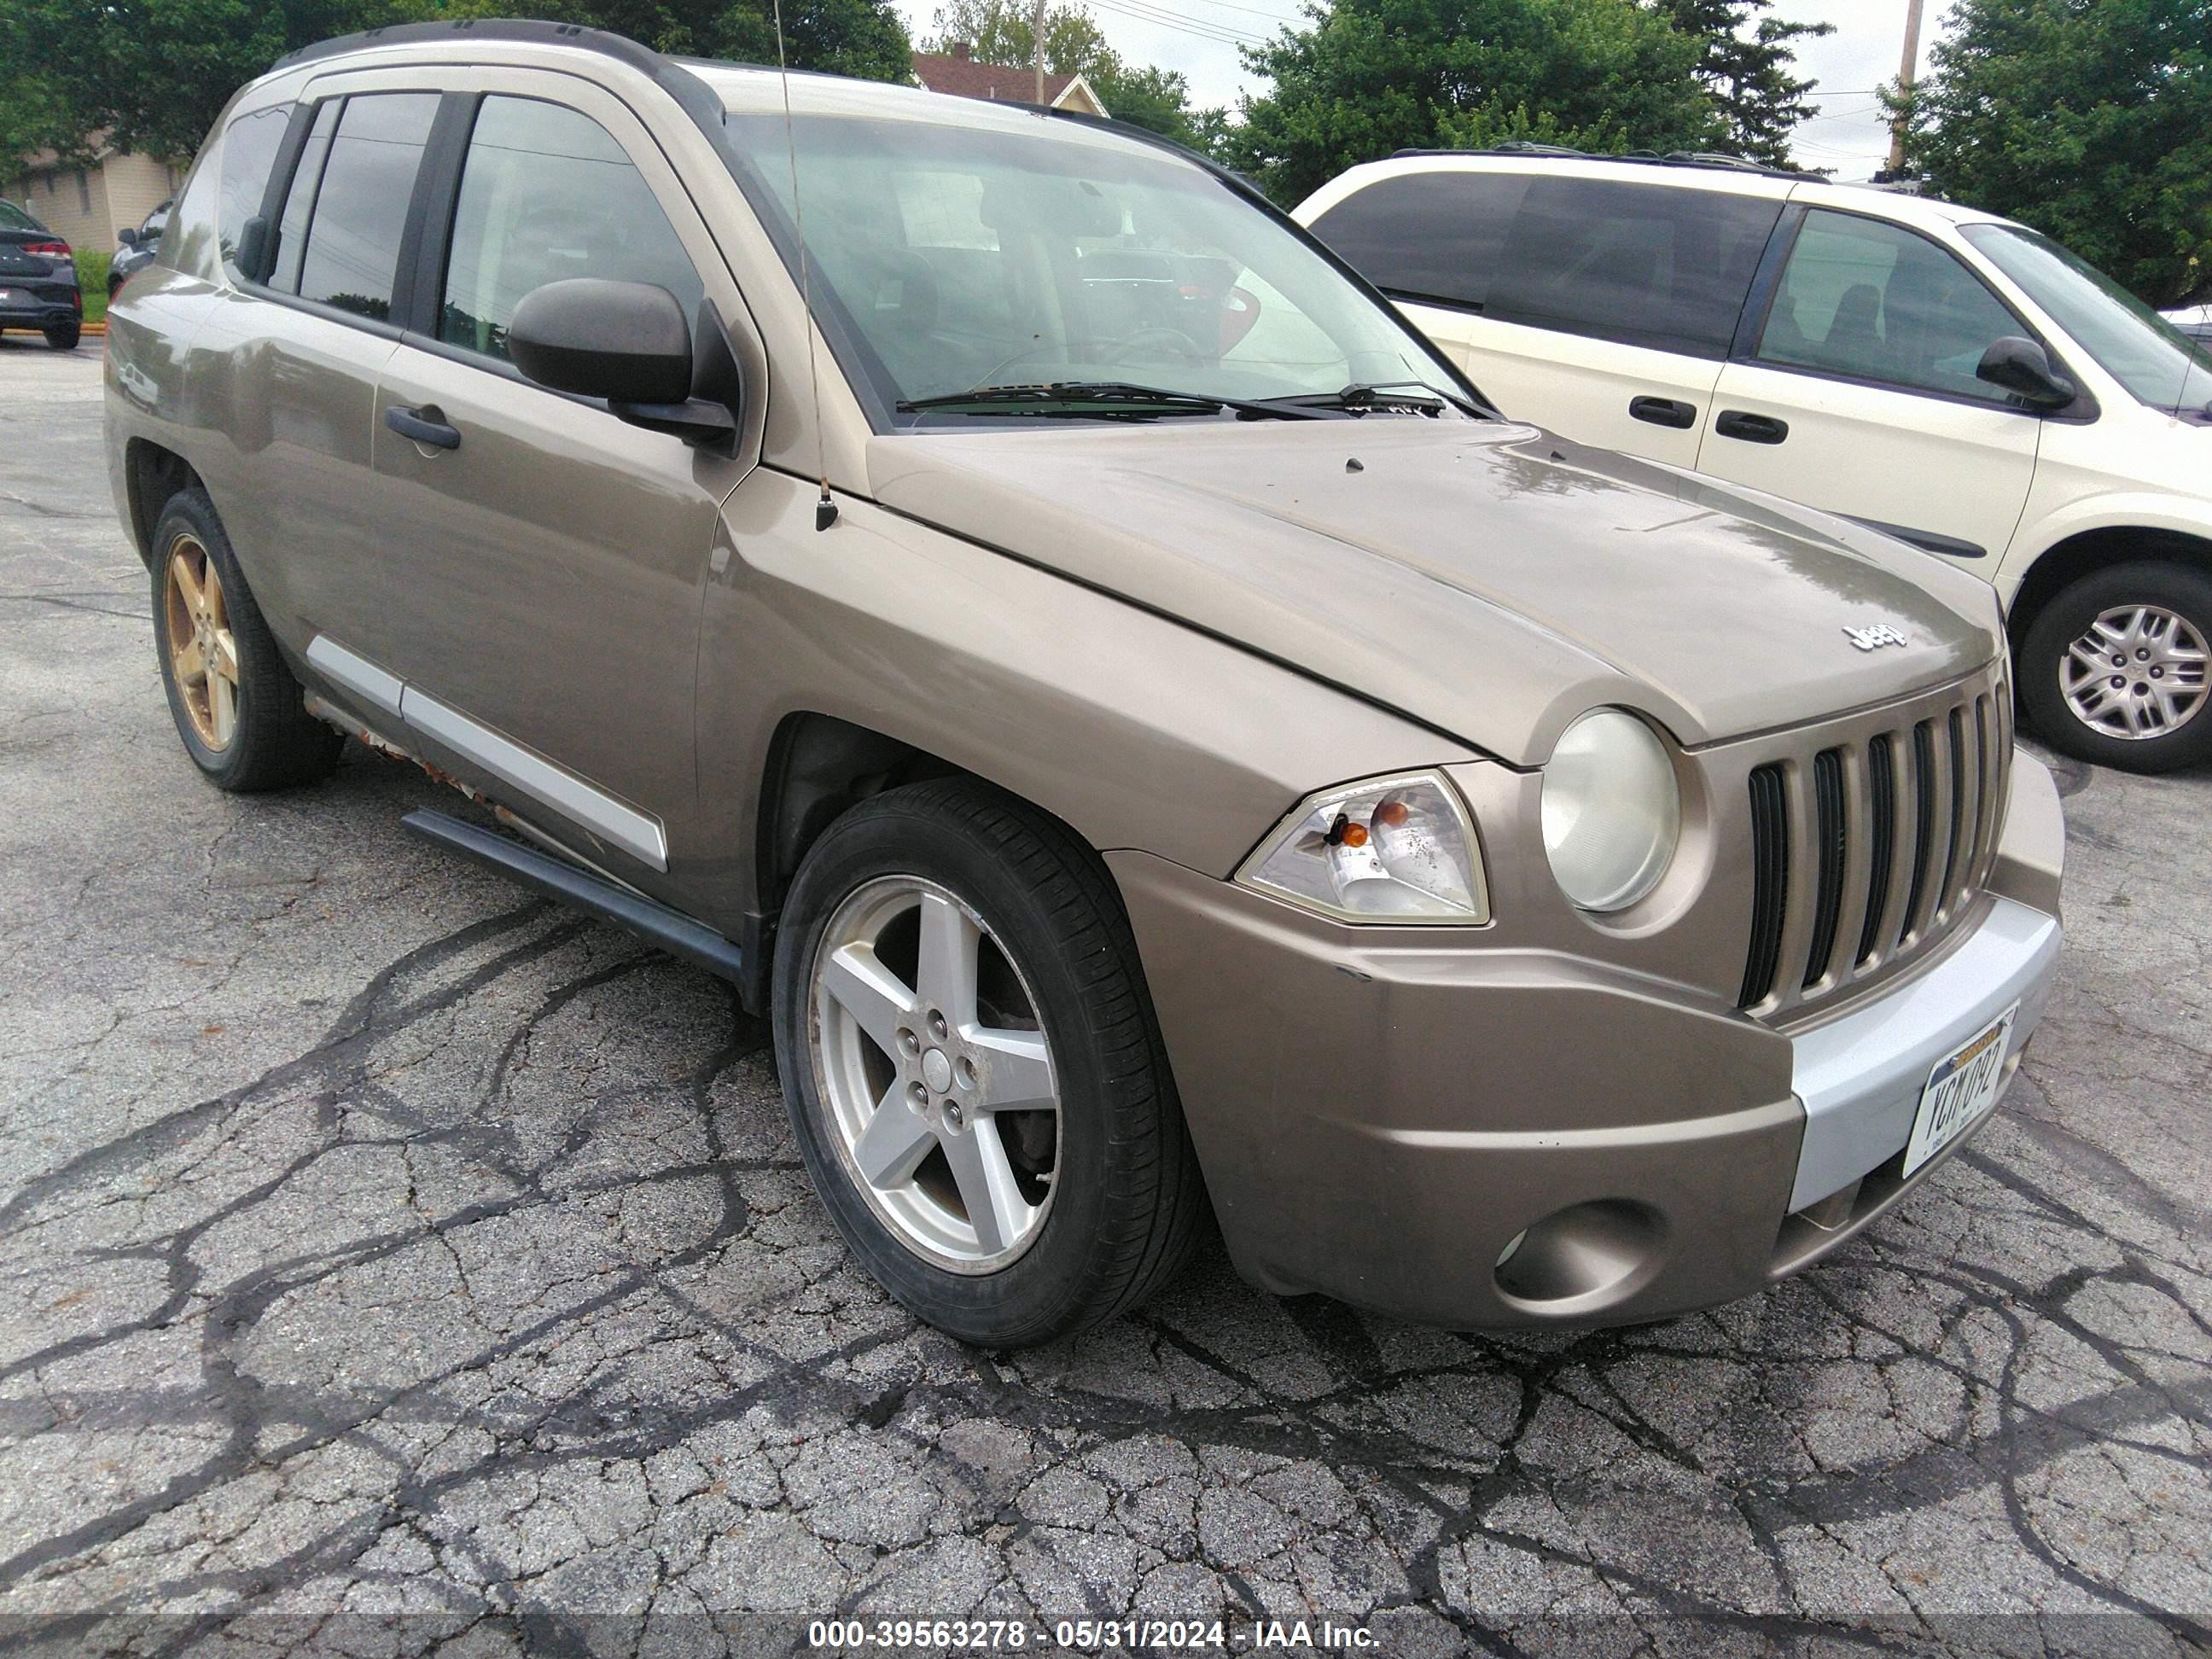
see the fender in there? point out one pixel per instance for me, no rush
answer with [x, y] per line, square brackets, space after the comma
[2133, 509]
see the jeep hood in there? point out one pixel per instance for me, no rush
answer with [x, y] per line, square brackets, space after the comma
[1486, 579]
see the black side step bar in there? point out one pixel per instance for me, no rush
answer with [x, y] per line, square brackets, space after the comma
[674, 932]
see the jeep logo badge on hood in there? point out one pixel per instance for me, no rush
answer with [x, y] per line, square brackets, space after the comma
[1873, 639]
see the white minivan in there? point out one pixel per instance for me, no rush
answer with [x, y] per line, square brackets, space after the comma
[1954, 379]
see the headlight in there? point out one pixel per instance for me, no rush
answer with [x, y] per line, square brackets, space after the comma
[1393, 850]
[1612, 810]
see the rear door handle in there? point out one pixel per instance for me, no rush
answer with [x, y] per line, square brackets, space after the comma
[414, 424]
[1663, 411]
[1752, 429]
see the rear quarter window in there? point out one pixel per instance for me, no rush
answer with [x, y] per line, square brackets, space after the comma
[1433, 235]
[1658, 266]
[249, 151]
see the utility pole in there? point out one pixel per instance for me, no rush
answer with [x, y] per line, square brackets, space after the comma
[1906, 74]
[1036, 32]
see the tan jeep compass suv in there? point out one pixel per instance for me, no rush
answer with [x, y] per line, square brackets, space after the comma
[1149, 737]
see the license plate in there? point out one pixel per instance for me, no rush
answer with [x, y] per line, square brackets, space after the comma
[1961, 1090]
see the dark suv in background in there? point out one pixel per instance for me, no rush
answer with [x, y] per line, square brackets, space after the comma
[136, 246]
[37, 280]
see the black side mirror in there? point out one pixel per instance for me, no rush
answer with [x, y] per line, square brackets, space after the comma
[128, 236]
[2022, 368]
[627, 342]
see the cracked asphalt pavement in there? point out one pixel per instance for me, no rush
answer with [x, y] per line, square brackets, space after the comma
[394, 1263]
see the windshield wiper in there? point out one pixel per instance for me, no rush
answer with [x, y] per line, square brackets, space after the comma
[1120, 396]
[1363, 395]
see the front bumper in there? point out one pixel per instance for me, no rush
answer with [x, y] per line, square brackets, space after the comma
[1383, 1121]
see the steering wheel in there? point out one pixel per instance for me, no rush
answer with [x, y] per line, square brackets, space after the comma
[1171, 341]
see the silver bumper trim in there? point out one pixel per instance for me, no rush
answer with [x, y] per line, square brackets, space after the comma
[1859, 1077]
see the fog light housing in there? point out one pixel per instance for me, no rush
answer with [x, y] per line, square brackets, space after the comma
[1583, 1258]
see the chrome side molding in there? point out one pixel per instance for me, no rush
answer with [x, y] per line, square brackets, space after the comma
[357, 673]
[638, 834]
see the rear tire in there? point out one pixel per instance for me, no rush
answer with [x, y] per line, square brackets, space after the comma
[64, 338]
[2148, 616]
[1106, 1196]
[238, 710]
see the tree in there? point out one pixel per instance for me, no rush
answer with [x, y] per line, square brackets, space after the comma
[1002, 32]
[1747, 75]
[1369, 77]
[154, 74]
[35, 118]
[2089, 119]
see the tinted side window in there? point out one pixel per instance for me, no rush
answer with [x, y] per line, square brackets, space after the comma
[1870, 300]
[300, 199]
[546, 194]
[352, 244]
[1426, 235]
[1656, 265]
[249, 150]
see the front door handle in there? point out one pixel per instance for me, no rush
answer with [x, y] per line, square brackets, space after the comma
[1752, 429]
[422, 427]
[1663, 411]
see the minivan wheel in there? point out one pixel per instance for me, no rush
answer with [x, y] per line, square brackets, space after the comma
[64, 336]
[973, 1070]
[237, 707]
[2113, 669]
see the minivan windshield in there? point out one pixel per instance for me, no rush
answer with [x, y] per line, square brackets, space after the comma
[2138, 347]
[973, 258]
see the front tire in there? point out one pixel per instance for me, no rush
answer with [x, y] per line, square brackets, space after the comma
[2113, 669]
[972, 1070]
[237, 707]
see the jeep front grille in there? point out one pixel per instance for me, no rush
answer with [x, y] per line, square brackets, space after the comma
[1915, 792]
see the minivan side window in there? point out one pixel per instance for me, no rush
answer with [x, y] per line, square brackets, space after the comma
[354, 227]
[1434, 236]
[547, 194]
[1658, 266]
[249, 151]
[1877, 302]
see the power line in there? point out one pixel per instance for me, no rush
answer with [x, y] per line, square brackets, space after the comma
[1272, 18]
[1222, 33]
[1145, 13]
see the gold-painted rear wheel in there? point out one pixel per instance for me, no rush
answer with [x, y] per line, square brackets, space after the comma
[203, 650]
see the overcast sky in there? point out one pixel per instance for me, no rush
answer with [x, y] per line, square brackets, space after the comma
[1201, 38]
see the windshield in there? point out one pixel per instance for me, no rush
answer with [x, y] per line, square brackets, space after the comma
[2134, 344]
[967, 257]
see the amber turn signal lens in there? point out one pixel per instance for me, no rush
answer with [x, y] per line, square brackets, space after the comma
[1354, 835]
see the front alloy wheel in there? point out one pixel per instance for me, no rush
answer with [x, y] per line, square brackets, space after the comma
[935, 1074]
[974, 1077]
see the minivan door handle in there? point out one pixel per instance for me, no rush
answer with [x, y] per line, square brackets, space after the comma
[413, 423]
[1663, 411]
[1752, 429]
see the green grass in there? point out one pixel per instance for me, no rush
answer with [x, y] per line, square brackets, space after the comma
[92, 264]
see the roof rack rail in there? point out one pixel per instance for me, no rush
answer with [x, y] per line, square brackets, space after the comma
[1528, 149]
[536, 32]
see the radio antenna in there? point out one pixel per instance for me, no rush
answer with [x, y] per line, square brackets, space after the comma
[825, 510]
